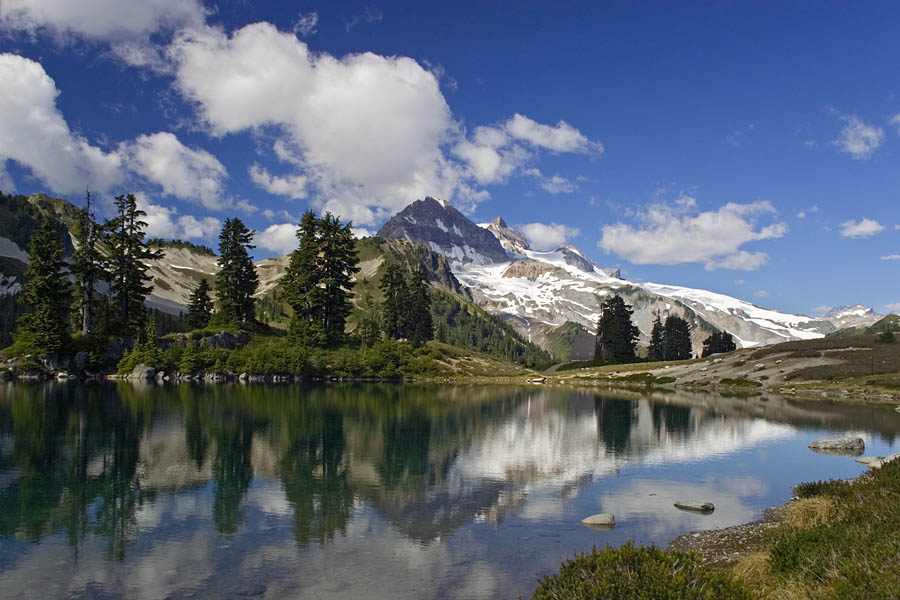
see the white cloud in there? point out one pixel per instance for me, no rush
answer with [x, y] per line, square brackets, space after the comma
[280, 238]
[188, 173]
[761, 293]
[893, 308]
[555, 184]
[306, 24]
[34, 133]
[370, 133]
[542, 236]
[291, 186]
[164, 222]
[362, 232]
[859, 139]
[895, 121]
[891, 257]
[861, 228]
[678, 234]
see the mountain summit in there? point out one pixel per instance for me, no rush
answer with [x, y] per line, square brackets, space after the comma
[439, 226]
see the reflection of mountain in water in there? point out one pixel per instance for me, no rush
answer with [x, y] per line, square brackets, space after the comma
[86, 461]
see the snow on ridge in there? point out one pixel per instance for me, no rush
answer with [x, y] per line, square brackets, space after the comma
[10, 249]
[441, 226]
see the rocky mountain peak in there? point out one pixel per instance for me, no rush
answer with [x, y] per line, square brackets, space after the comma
[509, 238]
[439, 226]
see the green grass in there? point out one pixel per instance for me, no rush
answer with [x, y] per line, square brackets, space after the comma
[739, 382]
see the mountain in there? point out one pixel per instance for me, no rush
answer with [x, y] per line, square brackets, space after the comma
[851, 316]
[887, 323]
[537, 292]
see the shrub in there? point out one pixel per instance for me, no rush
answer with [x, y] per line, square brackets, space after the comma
[638, 572]
[739, 382]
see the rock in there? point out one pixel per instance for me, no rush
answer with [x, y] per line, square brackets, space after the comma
[227, 340]
[601, 521]
[696, 506]
[717, 361]
[779, 361]
[142, 372]
[842, 446]
[877, 464]
[243, 377]
[160, 375]
[116, 349]
[537, 380]
[759, 367]
[81, 359]
[62, 375]
[868, 460]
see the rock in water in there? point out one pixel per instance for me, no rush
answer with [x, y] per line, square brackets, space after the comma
[843, 446]
[601, 521]
[703, 507]
[143, 372]
[868, 460]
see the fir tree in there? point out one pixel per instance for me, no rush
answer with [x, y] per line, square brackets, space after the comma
[44, 329]
[337, 264]
[717, 343]
[88, 265]
[421, 327]
[236, 281]
[199, 306]
[394, 288]
[676, 339]
[656, 340]
[128, 271]
[616, 331]
[302, 284]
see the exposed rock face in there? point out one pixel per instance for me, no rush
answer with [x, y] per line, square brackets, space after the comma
[437, 225]
[529, 269]
[601, 521]
[849, 446]
[142, 373]
[511, 240]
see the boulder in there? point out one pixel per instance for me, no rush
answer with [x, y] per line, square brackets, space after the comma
[600, 521]
[759, 367]
[849, 446]
[868, 460]
[695, 506]
[142, 372]
[877, 464]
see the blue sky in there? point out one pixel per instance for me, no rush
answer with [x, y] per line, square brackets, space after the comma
[747, 148]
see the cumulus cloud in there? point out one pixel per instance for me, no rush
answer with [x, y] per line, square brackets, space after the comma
[555, 184]
[291, 186]
[861, 228]
[895, 121]
[280, 238]
[543, 236]
[34, 133]
[306, 24]
[679, 233]
[891, 257]
[189, 173]
[164, 222]
[893, 308]
[859, 139]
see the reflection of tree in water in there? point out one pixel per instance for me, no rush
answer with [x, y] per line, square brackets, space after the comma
[196, 439]
[614, 421]
[58, 432]
[232, 472]
[314, 476]
[404, 459]
[672, 417]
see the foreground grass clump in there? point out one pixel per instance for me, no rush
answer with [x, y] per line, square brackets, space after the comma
[633, 572]
[739, 382]
[841, 540]
[646, 379]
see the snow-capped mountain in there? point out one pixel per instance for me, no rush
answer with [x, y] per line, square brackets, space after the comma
[851, 316]
[536, 291]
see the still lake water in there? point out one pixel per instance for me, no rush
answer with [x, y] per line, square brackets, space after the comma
[376, 491]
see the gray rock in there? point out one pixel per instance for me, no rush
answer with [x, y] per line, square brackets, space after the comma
[868, 460]
[845, 446]
[877, 464]
[759, 367]
[695, 506]
[142, 372]
[600, 521]
[243, 377]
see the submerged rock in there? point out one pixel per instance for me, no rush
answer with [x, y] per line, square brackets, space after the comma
[695, 506]
[868, 460]
[601, 521]
[843, 446]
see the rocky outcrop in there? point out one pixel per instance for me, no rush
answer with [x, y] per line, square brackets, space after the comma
[142, 372]
[695, 506]
[848, 446]
[600, 521]
[511, 240]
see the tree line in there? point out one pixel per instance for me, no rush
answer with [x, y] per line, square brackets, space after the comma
[617, 336]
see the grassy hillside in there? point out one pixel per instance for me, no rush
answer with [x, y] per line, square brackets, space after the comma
[561, 339]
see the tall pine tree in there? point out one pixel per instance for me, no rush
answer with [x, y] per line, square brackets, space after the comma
[657, 351]
[199, 306]
[45, 328]
[616, 330]
[88, 265]
[337, 263]
[677, 339]
[302, 284]
[717, 343]
[421, 327]
[236, 281]
[128, 271]
[394, 288]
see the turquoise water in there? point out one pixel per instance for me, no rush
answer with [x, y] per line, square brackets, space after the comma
[376, 491]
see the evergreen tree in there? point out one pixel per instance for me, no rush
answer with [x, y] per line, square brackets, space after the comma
[717, 343]
[616, 331]
[676, 339]
[656, 340]
[88, 265]
[421, 327]
[44, 329]
[199, 306]
[369, 329]
[394, 288]
[337, 264]
[302, 284]
[236, 281]
[128, 272]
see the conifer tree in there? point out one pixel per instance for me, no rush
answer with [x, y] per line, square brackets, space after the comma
[676, 339]
[717, 343]
[617, 332]
[128, 272]
[88, 265]
[369, 328]
[656, 340]
[337, 264]
[236, 281]
[394, 288]
[302, 284]
[199, 306]
[44, 329]
[421, 327]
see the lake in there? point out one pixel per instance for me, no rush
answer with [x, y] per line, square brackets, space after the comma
[378, 491]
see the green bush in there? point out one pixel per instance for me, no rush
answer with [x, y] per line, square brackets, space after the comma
[632, 572]
[739, 382]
